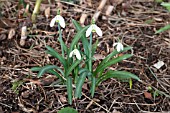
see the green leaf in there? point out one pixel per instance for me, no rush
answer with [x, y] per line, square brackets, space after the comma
[118, 75]
[48, 68]
[22, 2]
[93, 86]
[79, 85]
[77, 37]
[54, 53]
[166, 5]
[70, 69]
[67, 110]
[69, 89]
[50, 71]
[113, 54]
[36, 68]
[83, 38]
[167, 27]
[16, 84]
[111, 62]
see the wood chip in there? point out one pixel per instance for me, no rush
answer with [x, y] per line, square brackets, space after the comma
[159, 64]
[109, 10]
[11, 33]
[83, 18]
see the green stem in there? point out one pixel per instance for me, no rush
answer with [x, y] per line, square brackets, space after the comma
[90, 54]
[60, 40]
[36, 10]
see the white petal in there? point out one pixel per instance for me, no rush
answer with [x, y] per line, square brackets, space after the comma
[71, 54]
[61, 21]
[98, 30]
[53, 21]
[89, 30]
[115, 44]
[77, 53]
[121, 46]
[118, 47]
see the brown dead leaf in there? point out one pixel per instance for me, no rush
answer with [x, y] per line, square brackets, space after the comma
[47, 12]
[99, 56]
[116, 2]
[11, 33]
[2, 37]
[147, 95]
[62, 99]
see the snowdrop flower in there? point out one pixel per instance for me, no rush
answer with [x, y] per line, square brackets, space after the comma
[93, 28]
[119, 46]
[59, 19]
[76, 53]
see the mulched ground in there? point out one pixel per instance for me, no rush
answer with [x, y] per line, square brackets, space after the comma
[134, 23]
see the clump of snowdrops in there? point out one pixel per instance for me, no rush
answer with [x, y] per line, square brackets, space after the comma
[78, 62]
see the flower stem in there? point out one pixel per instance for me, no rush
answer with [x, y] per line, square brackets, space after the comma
[60, 40]
[36, 10]
[90, 54]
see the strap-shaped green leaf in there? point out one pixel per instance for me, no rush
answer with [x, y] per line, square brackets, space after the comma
[79, 85]
[167, 5]
[83, 38]
[113, 54]
[111, 62]
[49, 71]
[70, 69]
[48, 68]
[118, 75]
[167, 27]
[77, 37]
[69, 89]
[67, 110]
[93, 86]
[54, 53]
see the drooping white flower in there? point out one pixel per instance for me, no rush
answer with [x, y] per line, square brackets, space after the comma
[76, 53]
[93, 28]
[119, 46]
[59, 19]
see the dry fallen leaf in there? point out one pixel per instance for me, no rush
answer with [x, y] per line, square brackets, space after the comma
[116, 2]
[83, 18]
[147, 95]
[47, 12]
[62, 99]
[98, 56]
[2, 37]
[11, 33]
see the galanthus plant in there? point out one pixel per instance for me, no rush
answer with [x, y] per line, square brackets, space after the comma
[77, 63]
[119, 46]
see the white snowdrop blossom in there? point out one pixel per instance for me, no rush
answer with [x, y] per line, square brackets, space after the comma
[119, 46]
[59, 19]
[76, 53]
[93, 28]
